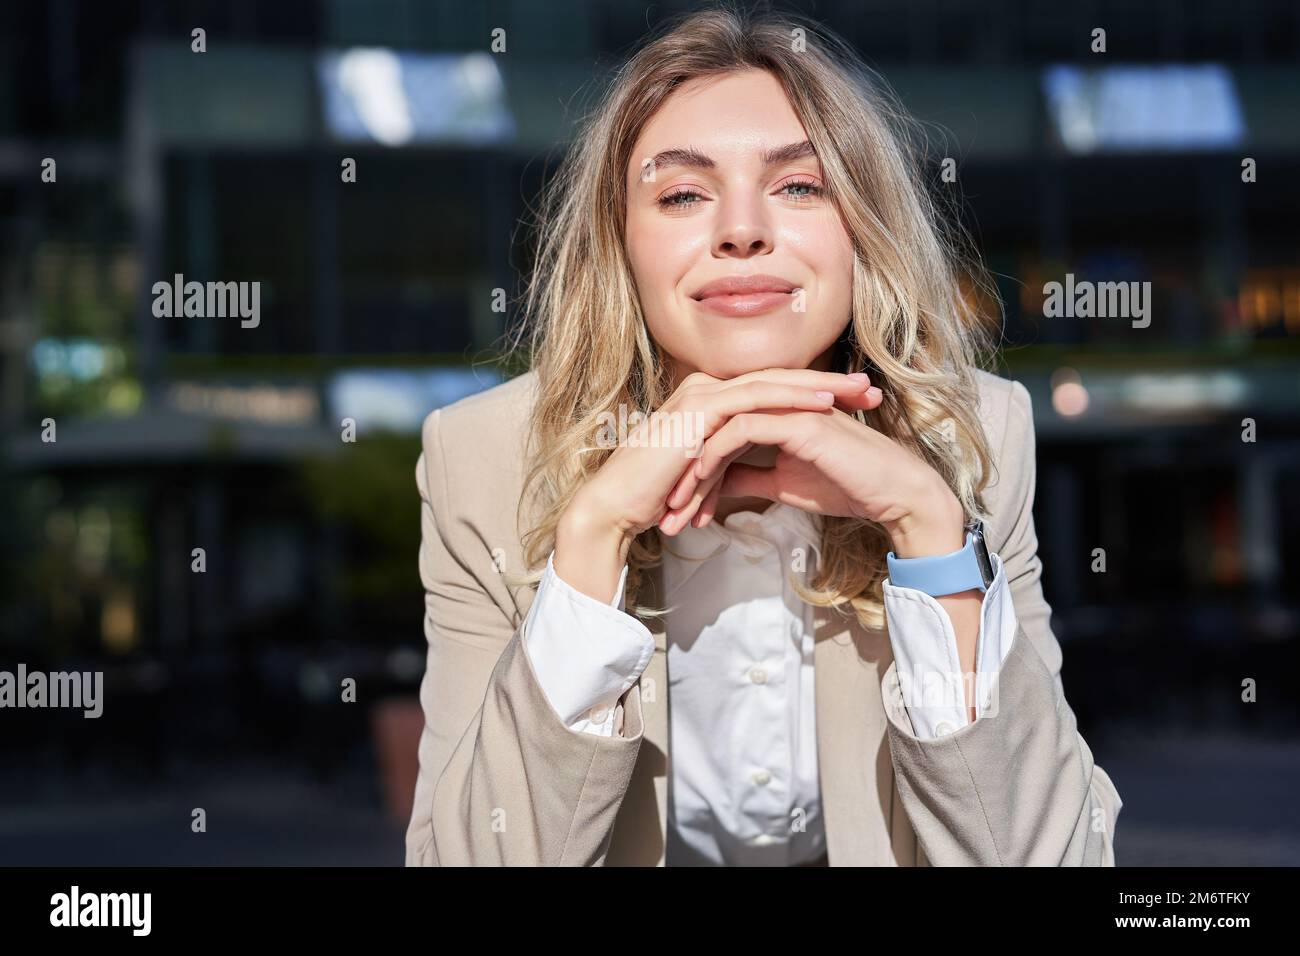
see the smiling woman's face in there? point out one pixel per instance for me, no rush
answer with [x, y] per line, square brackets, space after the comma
[735, 193]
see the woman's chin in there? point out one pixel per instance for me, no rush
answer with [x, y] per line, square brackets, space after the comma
[727, 366]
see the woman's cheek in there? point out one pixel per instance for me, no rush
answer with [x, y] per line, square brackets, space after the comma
[831, 261]
[653, 256]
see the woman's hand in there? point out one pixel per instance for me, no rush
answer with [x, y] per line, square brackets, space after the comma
[628, 494]
[829, 463]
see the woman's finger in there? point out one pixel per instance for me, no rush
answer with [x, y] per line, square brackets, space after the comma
[678, 518]
[708, 507]
[865, 401]
[675, 521]
[692, 483]
[753, 396]
[807, 377]
[695, 503]
[750, 429]
[710, 487]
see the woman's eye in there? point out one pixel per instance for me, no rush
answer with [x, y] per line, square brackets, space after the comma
[802, 191]
[684, 197]
[798, 191]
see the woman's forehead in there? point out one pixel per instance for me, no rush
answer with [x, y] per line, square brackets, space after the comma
[739, 118]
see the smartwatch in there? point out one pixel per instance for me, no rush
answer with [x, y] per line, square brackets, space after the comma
[942, 574]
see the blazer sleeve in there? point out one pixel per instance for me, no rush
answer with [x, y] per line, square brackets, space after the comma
[1017, 787]
[502, 780]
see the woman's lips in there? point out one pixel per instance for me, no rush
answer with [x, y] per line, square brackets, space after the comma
[744, 295]
[744, 304]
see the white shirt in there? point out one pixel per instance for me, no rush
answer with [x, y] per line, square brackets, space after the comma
[742, 718]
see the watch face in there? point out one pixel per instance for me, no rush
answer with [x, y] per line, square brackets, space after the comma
[982, 557]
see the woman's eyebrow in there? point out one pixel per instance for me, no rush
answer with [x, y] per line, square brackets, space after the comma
[786, 154]
[693, 158]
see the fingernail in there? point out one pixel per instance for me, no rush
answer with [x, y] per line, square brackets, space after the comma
[825, 396]
[858, 376]
[873, 392]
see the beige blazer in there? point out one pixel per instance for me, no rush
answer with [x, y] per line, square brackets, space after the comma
[504, 782]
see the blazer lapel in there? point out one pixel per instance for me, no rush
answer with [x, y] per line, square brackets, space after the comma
[641, 828]
[859, 799]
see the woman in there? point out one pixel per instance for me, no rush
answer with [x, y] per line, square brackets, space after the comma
[838, 652]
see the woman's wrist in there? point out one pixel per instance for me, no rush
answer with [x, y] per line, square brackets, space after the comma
[590, 551]
[935, 524]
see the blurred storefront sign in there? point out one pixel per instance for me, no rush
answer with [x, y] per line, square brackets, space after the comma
[261, 402]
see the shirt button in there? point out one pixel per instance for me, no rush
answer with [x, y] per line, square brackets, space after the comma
[943, 728]
[598, 714]
[758, 675]
[761, 778]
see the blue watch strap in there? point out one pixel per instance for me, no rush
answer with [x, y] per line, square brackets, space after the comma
[939, 574]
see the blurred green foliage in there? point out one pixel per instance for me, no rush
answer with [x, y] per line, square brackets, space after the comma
[368, 492]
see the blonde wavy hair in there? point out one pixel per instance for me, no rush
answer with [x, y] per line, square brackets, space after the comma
[915, 327]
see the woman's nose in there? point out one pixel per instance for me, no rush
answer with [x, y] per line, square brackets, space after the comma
[742, 231]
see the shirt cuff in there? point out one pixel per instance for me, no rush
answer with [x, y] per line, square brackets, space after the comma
[925, 649]
[586, 654]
